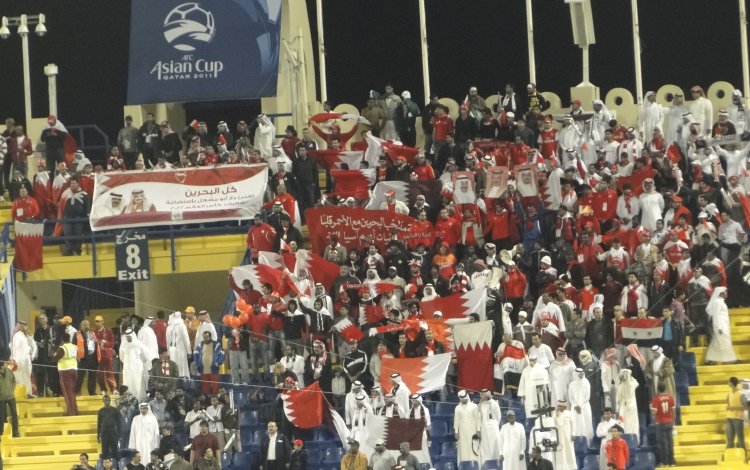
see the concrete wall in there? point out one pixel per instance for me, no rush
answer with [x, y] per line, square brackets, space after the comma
[206, 290]
[31, 296]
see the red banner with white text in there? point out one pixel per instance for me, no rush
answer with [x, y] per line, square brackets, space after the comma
[354, 226]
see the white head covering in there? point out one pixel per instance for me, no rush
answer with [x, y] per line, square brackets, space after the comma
[716, 304]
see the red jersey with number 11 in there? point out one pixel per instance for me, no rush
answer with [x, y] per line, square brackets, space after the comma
[663, 403]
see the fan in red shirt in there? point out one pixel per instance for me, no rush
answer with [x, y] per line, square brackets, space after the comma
[447, 228]
[587, 294]
[260, 237]
[24, 208]
[620, 133]
[423, 169]
[617, 449]
[497, 228]
[548, 139]
[421, 232]
[442, 124]
[520, 151]
[662, 406]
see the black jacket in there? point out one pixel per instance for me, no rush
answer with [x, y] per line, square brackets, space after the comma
[283, 449]
[298, 460]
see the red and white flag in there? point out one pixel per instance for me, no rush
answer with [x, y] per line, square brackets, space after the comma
[259, 274]
[674, 154]
[29, 251]
[353, 183]
[332, 159]
[641, 328]
[419, 374]
[304, 408]
[269, 258]
[323, 117]
[457, 307]
[377, 147]
[348, 330]
[636, 180]
[320, 269]
[552, 190]
[401, 189]
[473, 345]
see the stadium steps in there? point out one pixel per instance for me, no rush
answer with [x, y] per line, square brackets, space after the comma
[700, 441]
[48, 438]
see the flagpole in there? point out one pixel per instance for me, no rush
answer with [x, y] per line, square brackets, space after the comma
[530, 40]
[321, 53]
[425, 57]
[637, 52]
[743, 48]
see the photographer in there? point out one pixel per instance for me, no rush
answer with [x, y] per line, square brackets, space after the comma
[537, 462]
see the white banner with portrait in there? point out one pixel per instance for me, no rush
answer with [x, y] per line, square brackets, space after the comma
[186, 195]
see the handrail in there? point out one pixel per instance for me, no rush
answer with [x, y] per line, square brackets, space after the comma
[93, 238]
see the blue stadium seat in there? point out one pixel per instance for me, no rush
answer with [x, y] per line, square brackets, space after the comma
[324, 434]
[446, 466]
[580, 445]
[226, 460]
[595, 443]
[445, 409]
[240, 399]
[99, 465]
[491, 465]
[632, 441]
[242, 460]
[439, 429]
[468, 465]
[448, 449]
[249, 419]
[591, 462]
[246, 439]
[424, 466]
[644, 459]
[314, 456]
[333, 455]
[123, 462]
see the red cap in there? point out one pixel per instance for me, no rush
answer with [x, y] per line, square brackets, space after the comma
[298, 442]
[390, 193]
[275, 294]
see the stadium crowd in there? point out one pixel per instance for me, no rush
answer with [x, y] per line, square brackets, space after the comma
[603, 250]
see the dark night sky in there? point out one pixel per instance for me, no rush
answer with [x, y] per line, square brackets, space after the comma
[482, 43]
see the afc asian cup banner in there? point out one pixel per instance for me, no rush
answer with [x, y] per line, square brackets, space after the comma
[203, 51]
[193, 195]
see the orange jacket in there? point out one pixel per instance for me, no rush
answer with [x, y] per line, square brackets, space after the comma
[82, 349]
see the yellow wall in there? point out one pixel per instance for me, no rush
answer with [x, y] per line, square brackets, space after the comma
[31, 296]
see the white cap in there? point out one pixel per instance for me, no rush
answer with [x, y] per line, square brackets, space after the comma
[546, 259]
[406, 95]
[463, 394]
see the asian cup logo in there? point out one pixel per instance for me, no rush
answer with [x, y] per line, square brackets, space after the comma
[187, 26]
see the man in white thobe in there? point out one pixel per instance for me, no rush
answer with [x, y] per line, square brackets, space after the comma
[144, 431]
[532, 377]
[419, 411]
[565, 456]
[359, 416]
[513, 443]
[489, 416]
[147, 337]
[579, 394]
[133, 358]
[178, 344]
[350, 402]
[674, 119]
[391, 408]
[650, 116]
[702, 109]
[465, 425]
[652, 205]
[21, 352]
[400, 391]
[561, 372]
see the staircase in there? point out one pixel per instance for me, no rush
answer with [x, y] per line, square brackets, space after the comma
[49, 439]
[700, 442]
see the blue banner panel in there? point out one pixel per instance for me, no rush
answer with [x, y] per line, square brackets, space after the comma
[203, 51]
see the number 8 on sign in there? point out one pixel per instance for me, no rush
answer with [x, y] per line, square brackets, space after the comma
[133, 259]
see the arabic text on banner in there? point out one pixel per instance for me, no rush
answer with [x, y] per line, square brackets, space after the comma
[354, 226]
[193, 195]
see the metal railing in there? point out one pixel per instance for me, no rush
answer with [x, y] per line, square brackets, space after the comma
[94, 151]
[91, 239]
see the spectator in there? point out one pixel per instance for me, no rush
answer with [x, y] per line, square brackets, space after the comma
[354, 459]
[108, 425]
[662, 407]
[203, 441]
[274, 449]
[208, 356]
[135, 463]
[144, 431]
